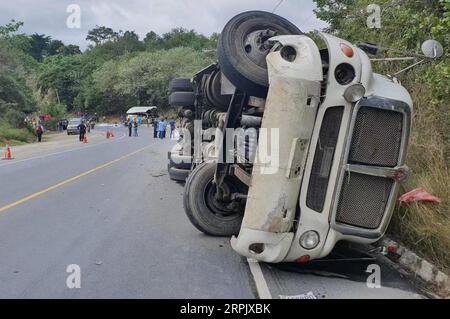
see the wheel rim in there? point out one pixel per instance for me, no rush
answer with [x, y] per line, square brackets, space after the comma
[255, 46]
[219, 209]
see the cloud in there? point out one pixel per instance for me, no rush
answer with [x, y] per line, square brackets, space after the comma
[205, 16]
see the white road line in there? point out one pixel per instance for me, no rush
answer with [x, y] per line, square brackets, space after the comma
[260, 281]
[62, 152]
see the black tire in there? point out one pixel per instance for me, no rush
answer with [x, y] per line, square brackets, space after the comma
[180, 164]
[180, 85]
[202, 210]
[182, 99]
[241, 60]
[213, 93]
[178, 174]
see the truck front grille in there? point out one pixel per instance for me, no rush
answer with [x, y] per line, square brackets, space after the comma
[363, 200]
[377, 137]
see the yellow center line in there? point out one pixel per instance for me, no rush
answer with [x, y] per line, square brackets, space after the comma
[67, 181]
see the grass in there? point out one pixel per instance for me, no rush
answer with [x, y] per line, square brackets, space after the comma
[14, 136]
[425, 227]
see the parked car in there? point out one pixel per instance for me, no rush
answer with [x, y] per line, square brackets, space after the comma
[72, 126]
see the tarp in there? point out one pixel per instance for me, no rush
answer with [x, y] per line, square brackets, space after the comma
[141, 110]
[419, 195]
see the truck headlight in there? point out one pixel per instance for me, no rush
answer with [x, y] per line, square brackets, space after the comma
[310, 240]
[354, 93]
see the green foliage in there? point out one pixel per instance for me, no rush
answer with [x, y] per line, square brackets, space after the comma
[16, 94]
[180, 37]
[56, 110]
[14, 136]
[10, 28]
[44, 76]
[62, 74]
[101, 34]
[143, 79]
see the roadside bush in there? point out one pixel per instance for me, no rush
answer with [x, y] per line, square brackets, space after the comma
[14, 135]
[14, 117]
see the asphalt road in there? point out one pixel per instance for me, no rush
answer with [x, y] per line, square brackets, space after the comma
[110, 208]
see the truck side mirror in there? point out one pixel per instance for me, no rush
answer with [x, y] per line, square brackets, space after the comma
[432, 49]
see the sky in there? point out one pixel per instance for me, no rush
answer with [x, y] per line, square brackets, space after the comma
[205, 16]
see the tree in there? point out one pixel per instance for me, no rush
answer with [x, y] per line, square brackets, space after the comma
[63, 75]
[152, 41]
[142, 79]
[54, 47]
[39, 46]
[7, 30]
[70, 50]
[128, 42]
[180, 37]
[102, 34]
[16, 95]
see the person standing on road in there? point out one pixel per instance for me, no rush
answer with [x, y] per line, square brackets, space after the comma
[155, 128]
[130, 127]
[162, 128]
[136, 125]
[172, 127]
[165, 129]
[39, 131]
[82, 128]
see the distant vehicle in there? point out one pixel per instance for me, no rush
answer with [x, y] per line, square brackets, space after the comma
[72, 127]
[149, 113]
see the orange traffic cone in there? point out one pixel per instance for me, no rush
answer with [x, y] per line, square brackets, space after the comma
[8, 155]
[112, 134]
[85, 141]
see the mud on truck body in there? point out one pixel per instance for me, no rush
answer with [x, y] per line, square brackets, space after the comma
[341, 139]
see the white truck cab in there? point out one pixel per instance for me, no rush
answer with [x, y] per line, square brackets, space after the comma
[343, 138]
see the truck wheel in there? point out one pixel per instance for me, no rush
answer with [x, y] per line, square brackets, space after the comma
[182, 99]
[214, 95]
[242, 51]
[203, 210]
[180, 85]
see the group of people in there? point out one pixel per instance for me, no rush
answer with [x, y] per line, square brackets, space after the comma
[133, 127]
[160, 128]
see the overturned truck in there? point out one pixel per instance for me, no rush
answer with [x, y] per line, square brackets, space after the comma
[323, 149]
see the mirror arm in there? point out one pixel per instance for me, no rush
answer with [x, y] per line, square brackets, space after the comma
[393, 59]
[409, 67]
